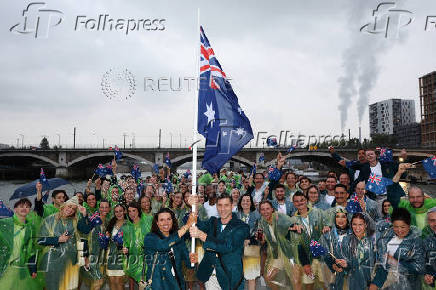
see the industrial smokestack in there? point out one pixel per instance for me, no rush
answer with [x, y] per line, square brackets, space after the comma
[360, 135]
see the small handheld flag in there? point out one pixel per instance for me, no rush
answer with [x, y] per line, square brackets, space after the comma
[136, 172]
[430, 166]
[377, 184]
[95, 220]
[317, 249]
[253, 170]
[168, 186]
[156, 168]
[386, 155]
[167, 160]
[43, 179]
[353, 205]
[274, 174]
[118, 238]
[292, 148]
[261, 158]
[271, 141]
[118, 153]
[103, 240]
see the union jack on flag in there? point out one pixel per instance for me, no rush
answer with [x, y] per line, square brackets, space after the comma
[374, 178]
[221, 119]
[208, 62]
[377, 184]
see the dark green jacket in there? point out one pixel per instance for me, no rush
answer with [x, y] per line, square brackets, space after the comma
[229, 244]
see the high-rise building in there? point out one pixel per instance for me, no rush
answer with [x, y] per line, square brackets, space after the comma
[386, 116]
[427, 97]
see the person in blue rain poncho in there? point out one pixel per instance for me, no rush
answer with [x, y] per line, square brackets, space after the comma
[356, 253]
[400, 255]
[332, 241]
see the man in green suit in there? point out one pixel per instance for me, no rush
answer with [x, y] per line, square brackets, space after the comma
[223, 240]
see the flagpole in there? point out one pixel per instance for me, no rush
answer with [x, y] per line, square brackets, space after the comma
[194, 127]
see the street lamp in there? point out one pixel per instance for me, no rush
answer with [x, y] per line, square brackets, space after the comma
[59, 140]
[22, 140]
[171, 135]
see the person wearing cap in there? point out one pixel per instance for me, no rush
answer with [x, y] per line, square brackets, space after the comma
[429, 234]
[59, 234]
[332, 240]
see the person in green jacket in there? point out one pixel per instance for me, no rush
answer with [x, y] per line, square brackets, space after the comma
[146, 214]
[418, 205]
[96, 254]
[17, 255]
[282, 261]
[59, 235]
[91, 204]
[165, 251]
[133, 244]
[44, 210]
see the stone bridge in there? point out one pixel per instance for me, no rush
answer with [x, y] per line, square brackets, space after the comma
[74, 162]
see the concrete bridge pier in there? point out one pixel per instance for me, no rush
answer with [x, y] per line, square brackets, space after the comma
[62, 172]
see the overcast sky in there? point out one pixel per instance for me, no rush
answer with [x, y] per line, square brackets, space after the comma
[284, 59]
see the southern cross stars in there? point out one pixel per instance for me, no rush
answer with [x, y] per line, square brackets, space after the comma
[210, 114]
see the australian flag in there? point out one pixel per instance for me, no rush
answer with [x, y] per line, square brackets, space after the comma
[271, 141]
[317, 249]
[292, 148]
[261, 158]
[118, 153]
[220, 118]
[353, 205]
[253, 170]
[386, 155]
[377, 184]
[167, 160]
[136, 172]
[156, 168]
[43, 179]
[430, 166]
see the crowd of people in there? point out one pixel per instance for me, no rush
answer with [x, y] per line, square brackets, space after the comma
[272, 227]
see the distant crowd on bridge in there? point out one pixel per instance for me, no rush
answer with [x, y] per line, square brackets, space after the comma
[354, 229]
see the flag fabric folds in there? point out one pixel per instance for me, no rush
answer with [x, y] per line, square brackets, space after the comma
[430, 166]
[377, 184]
[386, 155]
[220, 118]
[118, 153]
[168, 160]
[271, 141]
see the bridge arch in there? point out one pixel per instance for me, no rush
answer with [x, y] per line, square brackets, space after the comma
[100, 154]
[35, 156]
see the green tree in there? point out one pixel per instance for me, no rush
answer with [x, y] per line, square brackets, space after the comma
[44, 144]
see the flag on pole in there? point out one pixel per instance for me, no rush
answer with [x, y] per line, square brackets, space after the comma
[220, 118]
[430, 166]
